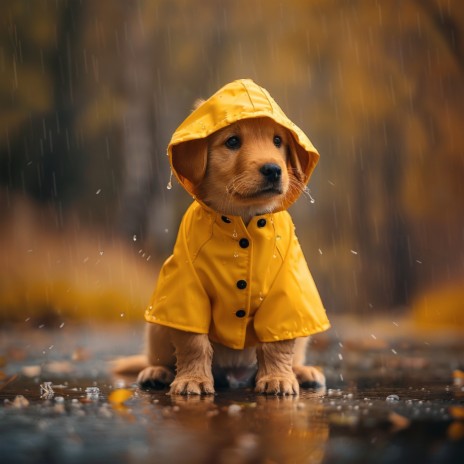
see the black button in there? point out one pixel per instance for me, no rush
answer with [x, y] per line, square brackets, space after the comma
[241, 284]
[226, 219]
[240, 313]
[243, 243]
[261, 222]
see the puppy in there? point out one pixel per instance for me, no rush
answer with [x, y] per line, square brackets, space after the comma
[236, 295]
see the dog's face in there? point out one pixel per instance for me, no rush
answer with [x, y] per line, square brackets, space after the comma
[246, 171]
[249, 168]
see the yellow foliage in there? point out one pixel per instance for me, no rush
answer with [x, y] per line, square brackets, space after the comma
[61, 274]
[441, 308]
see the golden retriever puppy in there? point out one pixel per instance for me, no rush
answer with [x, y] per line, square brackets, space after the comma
[236, 297]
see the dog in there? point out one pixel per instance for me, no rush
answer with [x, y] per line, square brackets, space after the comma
[236, 298]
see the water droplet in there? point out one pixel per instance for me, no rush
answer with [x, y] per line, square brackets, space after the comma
[236, 254]
[392, 398]
[98, 192]
[169, 186]
[92, 393]
[46, 390]
[311, 199]
[134, 238]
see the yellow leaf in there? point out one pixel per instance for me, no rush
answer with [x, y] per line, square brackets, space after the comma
[119, 396]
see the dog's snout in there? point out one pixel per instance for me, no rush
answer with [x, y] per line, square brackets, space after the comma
[271, 171]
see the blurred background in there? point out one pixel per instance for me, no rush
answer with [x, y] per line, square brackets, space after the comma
[91, 92]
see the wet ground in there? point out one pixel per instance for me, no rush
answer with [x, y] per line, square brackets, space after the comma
[392, 396]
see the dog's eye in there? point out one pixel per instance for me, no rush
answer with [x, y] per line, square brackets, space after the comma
[277, 141]
[234, 143]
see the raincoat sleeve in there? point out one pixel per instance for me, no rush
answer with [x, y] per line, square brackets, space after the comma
[179, 300]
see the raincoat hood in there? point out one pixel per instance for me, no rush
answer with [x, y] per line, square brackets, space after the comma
[241, 99]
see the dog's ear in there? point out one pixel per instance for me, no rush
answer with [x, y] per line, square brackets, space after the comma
[297, 159]
[189, 162]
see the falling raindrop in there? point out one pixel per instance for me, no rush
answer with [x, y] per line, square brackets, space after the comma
[311, 198]
[392, 398]
[134, 238]
[169, 186]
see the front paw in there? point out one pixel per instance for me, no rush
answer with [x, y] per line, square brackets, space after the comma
[157, 377]
[188, 385]
[309, 376]
[277, 385]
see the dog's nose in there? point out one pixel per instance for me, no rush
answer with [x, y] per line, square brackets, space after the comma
[271, 171]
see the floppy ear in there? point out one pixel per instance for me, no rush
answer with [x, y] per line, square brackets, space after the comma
[297, 158]
[189, 162]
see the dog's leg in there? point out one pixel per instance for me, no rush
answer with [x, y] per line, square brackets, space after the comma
[194, 356]
[275, 375]
[307, 376]
[160, 354]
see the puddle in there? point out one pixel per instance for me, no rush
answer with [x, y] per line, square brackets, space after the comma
[69, 409]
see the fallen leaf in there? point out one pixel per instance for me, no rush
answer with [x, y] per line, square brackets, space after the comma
[456, 431]
[398, 421]
[119, 396]
[457, 412]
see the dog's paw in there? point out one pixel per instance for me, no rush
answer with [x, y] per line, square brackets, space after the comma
[187, 385]
[309, 377]
[156, 377]
[277, 385]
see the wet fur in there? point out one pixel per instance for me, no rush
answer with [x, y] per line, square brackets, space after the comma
[230, 182]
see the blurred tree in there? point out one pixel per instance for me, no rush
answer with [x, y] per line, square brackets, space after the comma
[92, 91]
[39, 153]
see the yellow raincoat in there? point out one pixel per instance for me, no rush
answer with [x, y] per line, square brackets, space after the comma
[240, 284]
